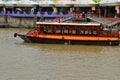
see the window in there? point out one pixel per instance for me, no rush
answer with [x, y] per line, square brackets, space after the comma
[106, 28]
[58, 31]
[86, 32]
[66, 31]
[74, 31]
[82, 31]
[114, 27]
[94, 32]
[43, 30]
[90, 32]
[50, 31]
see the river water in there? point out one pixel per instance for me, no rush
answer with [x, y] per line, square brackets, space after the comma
[32, 61]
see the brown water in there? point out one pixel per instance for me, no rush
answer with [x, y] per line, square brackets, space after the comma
[28, 61]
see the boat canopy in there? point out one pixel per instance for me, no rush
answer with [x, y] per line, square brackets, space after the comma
[72, 24]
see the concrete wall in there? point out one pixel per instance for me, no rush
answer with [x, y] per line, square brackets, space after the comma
[18, 22]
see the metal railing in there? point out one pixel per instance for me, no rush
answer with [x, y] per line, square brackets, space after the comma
[104, 20]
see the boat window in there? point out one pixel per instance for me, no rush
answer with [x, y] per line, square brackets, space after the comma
[66, 31]
[82, 32]
[115, 27]
[70, 31]
[58, 31]
[43, 30]
[106, 28]
[90, 32]
[118, 26]
[94, 32]
[50, 31]
[86, 32]
[74, 31]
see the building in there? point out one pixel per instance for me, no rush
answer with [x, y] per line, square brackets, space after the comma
[105, 8]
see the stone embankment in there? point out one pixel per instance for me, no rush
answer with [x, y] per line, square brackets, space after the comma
[17, 22]
[23, 22]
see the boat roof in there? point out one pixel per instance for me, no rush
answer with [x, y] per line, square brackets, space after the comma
[72, 24]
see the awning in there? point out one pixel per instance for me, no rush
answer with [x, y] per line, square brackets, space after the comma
[46, 3]
[64, 3]
[84, 3]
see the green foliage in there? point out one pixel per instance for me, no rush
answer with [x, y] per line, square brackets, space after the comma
[97, 1]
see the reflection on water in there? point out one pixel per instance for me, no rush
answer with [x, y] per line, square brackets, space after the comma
[32, 61]
[66, 48]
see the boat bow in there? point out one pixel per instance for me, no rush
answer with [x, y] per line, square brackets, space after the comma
[23, 37]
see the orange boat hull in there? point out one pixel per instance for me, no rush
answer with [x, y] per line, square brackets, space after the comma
[82, 40]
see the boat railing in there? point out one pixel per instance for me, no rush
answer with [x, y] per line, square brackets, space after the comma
[96, 18]
[103, 20]
[31, 32]
[108, 33]
[63, 18]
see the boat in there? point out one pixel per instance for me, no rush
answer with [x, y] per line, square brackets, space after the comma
[106, 32]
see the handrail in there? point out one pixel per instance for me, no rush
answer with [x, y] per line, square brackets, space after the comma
[61, 18]
[104, 20]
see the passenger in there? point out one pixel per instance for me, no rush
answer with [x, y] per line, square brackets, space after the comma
[83, 14]
[44, 30]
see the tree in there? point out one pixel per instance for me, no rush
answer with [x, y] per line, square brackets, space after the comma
[97, 1]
